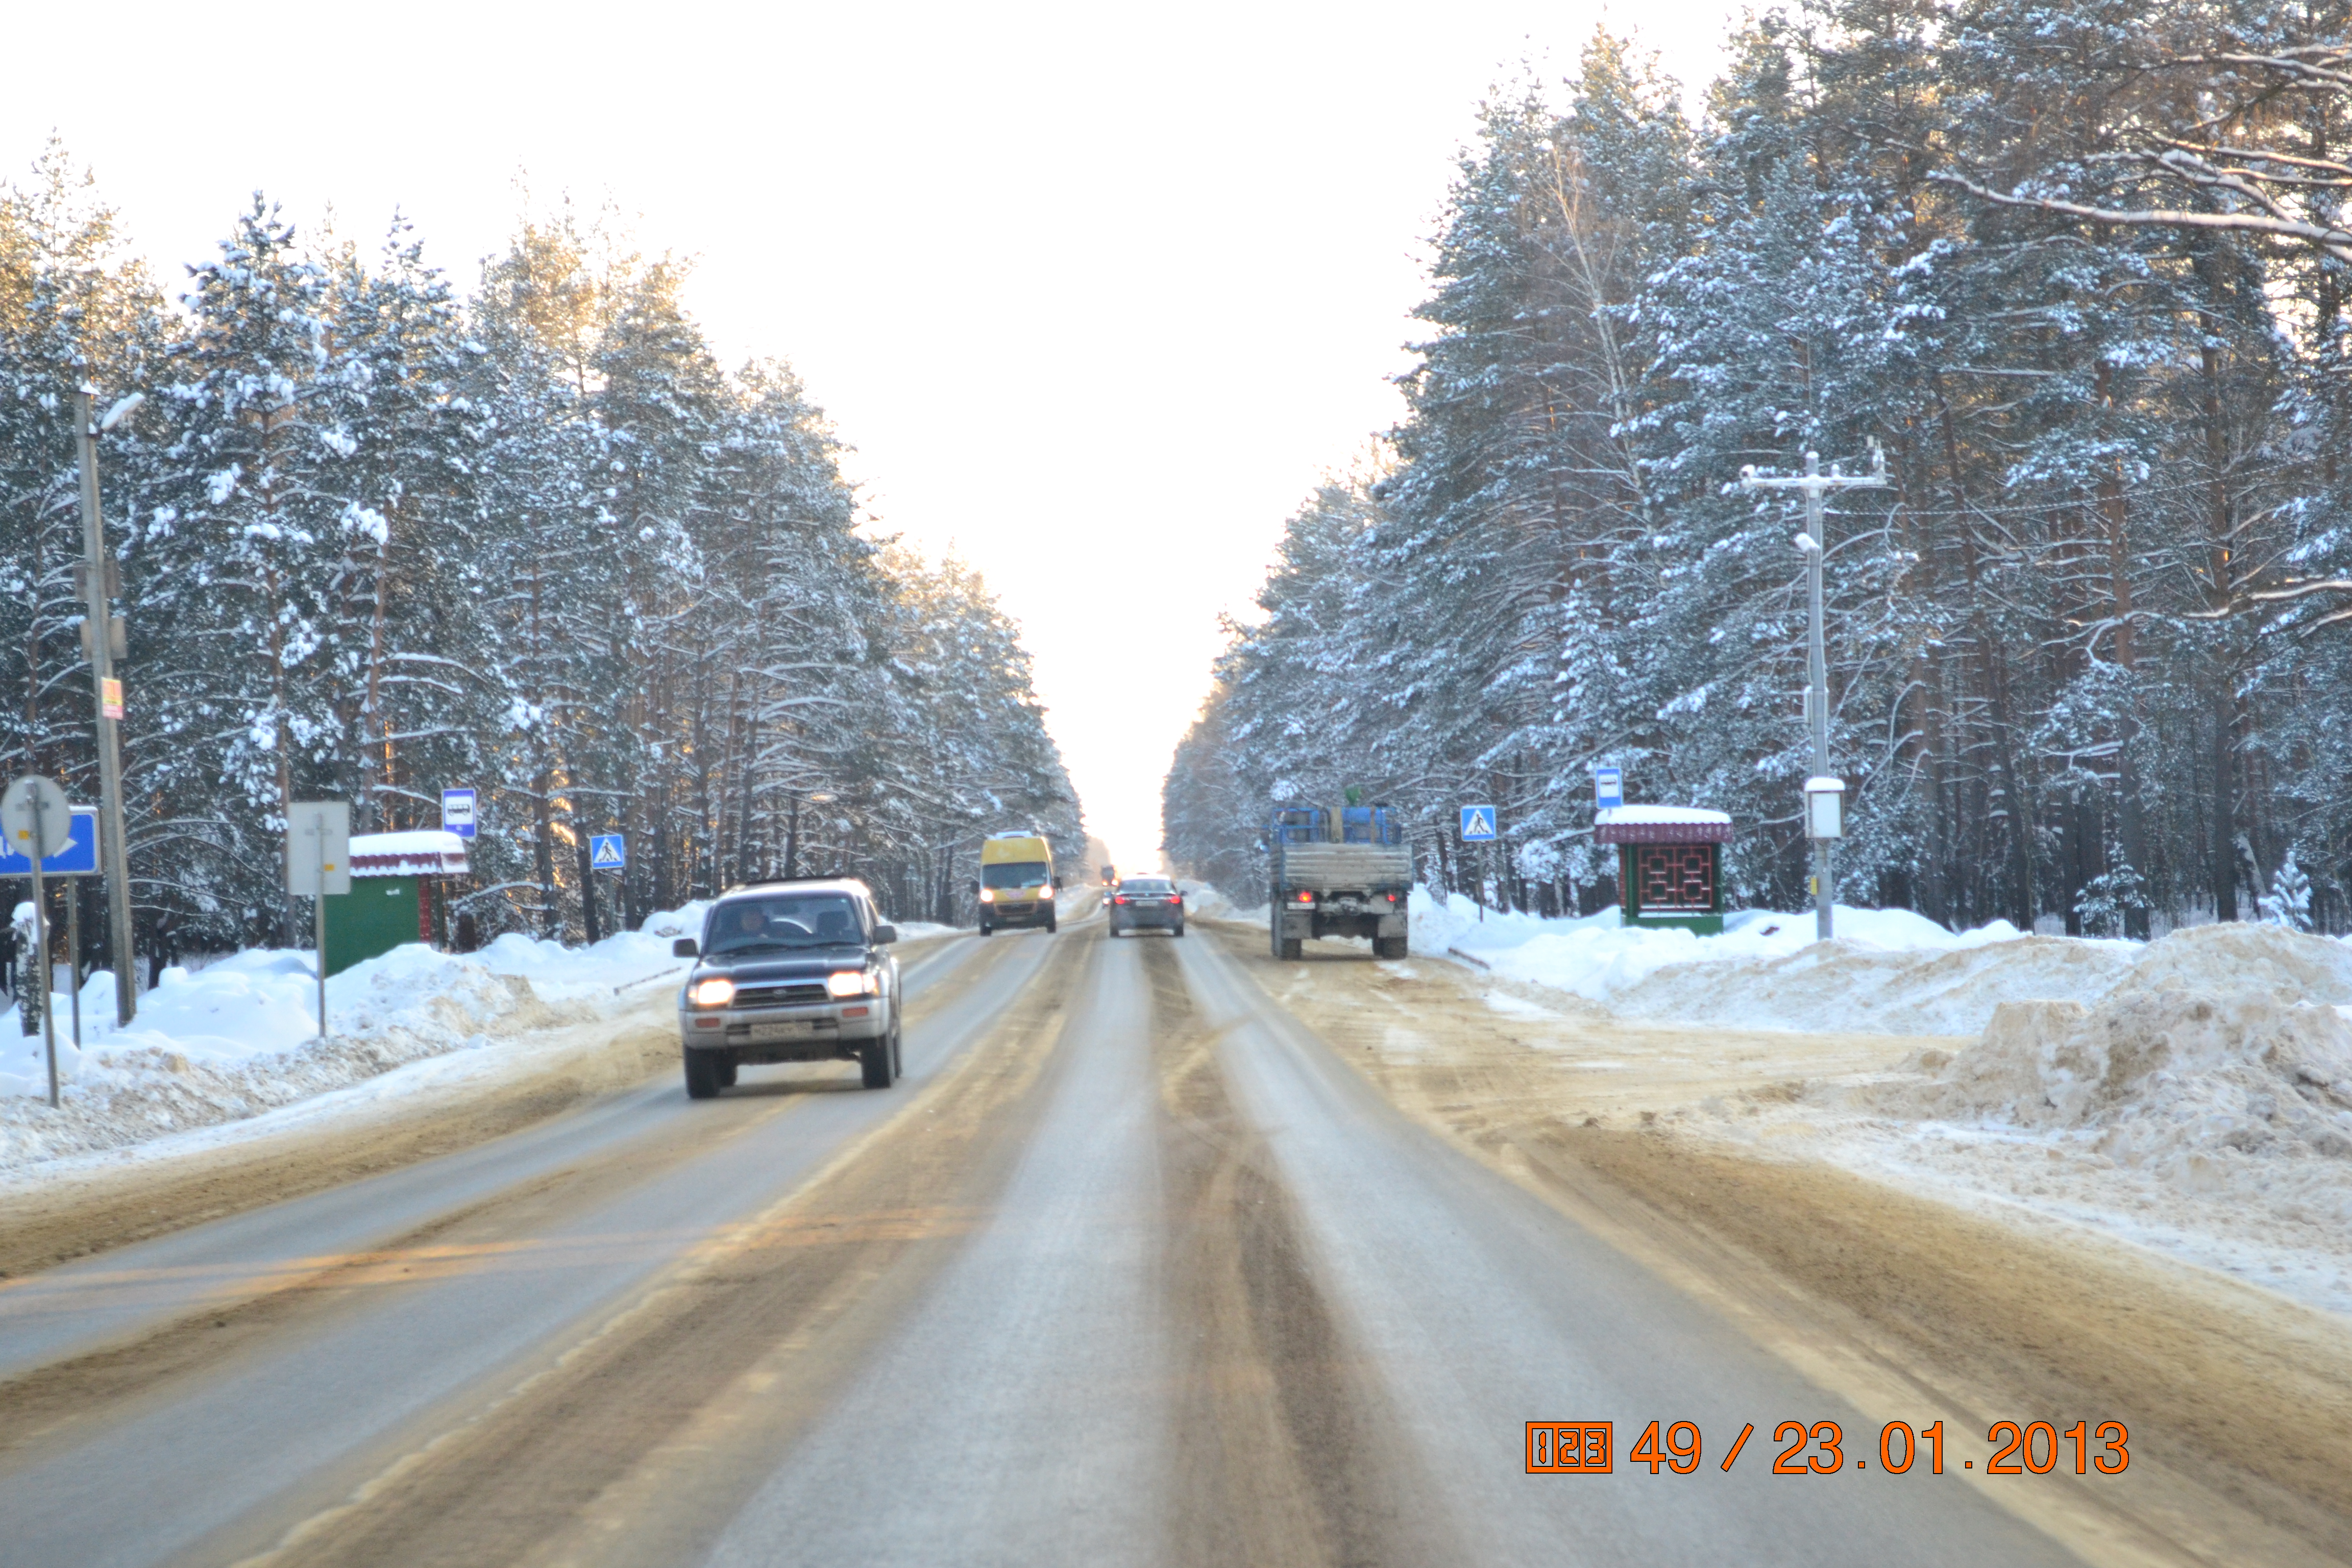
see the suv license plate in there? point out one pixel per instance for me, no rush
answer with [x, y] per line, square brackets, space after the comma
[795, 1029]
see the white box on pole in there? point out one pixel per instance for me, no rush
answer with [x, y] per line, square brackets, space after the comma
[1824, 808]
[319, 847]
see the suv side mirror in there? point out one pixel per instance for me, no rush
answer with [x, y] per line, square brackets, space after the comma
[885, 934]
[684, 947]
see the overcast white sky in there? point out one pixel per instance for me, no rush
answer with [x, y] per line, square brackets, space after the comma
[1097, 292]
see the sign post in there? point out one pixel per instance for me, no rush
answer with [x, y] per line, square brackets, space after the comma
[38, 823]
[77, 859]
[319, 862]
[1478, 828]
[458, 813]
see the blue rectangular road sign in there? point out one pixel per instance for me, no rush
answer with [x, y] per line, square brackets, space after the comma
[77, 859]
[1608, 788]
[1477, 824]
[458, 812]
[607, 851]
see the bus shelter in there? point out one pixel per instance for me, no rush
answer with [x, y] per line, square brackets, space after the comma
[1669, 864]
[400, 889]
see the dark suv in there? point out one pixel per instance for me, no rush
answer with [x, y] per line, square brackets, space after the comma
[790, 972]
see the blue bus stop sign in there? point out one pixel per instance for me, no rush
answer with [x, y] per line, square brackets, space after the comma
[607, 851]
[1478, 824]
[1608, 788]
[77, 859]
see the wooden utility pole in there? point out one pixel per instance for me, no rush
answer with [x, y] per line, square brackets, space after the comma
[100, 631]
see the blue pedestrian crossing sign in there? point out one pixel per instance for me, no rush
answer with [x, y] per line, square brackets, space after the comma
[607, 851]
[1608, 788]
[1477, 824]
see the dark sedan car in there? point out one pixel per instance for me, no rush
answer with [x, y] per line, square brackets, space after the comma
[1146, 903]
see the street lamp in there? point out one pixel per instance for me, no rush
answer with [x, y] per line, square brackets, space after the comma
[1829, 798]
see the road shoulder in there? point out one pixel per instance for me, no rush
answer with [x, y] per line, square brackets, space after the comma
[2239, 1402]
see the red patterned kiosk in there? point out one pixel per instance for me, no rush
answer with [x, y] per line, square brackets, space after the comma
[1669, 864]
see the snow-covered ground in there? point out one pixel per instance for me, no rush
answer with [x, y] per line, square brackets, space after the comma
[2192, 1094]
[240, 1037]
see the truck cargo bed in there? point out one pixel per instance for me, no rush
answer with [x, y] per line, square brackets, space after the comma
[1356, 867]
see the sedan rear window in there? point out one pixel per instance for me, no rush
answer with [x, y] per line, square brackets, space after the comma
[1150, 886]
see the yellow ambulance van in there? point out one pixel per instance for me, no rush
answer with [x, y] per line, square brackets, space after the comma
[1016, 881]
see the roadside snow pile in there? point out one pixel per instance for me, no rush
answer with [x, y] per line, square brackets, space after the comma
[2202, 1106]
[1203, 901]
[240, 1037]
[1864, 985]
[1889, 972]
[2223, 1038]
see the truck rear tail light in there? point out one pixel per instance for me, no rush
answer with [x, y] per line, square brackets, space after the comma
[1305, 898]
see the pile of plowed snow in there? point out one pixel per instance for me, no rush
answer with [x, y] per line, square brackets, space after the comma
[1853, 987]
[2225, 1037]
[240, 1037]
[1890, 972]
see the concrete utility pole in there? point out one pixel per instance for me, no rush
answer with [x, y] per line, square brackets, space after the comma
[101, 632]
[1815, 484]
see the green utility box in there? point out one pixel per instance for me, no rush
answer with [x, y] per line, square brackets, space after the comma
[1669, 864]
[399, 894]
[377, 915]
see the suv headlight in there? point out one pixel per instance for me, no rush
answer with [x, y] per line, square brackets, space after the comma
[715, 992]
[852, 982]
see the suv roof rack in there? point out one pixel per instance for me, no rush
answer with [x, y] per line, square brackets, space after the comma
[733, 887]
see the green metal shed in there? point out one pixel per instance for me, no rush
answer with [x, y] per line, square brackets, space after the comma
[398, 886]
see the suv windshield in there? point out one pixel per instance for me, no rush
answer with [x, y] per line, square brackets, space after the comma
[784, 920]
[1016, 874]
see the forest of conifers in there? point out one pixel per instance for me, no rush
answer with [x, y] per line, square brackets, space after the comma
[2080, 270]
[377, 539]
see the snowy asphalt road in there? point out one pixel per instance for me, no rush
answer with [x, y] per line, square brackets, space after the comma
[1131, 1269]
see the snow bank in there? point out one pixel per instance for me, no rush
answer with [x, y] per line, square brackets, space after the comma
[2201, 1105]
[1889, 971]
[240, 1035]
[1205, 901]
[2223, 1038]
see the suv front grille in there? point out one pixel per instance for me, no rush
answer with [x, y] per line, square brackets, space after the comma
[792, 995]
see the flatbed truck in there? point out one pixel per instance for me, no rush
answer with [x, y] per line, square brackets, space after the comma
[1338, 871]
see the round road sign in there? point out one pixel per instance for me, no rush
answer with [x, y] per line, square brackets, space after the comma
[36, 817]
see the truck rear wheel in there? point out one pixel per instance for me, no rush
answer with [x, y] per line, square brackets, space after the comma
[1293, 949]
[1387, 947]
